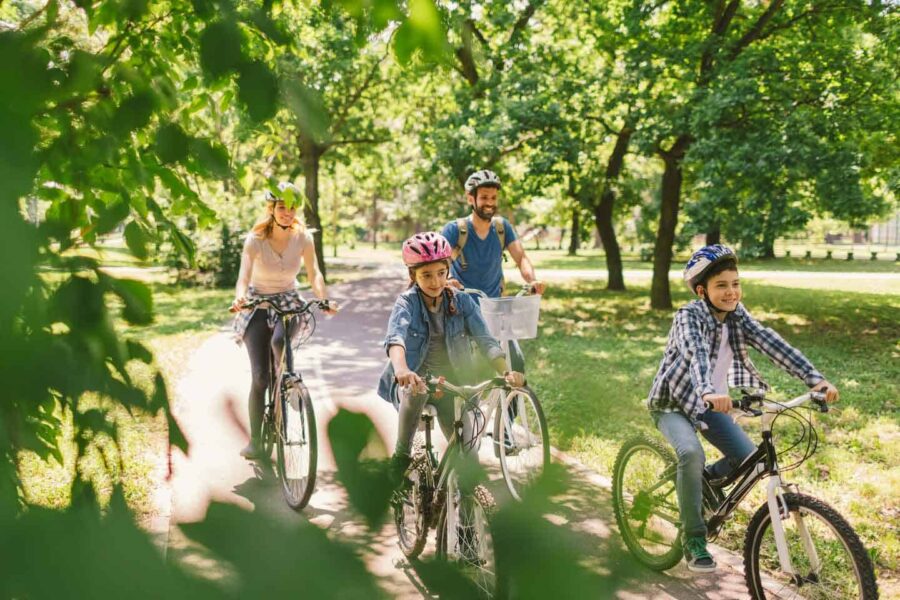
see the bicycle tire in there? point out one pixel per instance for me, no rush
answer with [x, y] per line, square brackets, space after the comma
[296, 428]
[417, 496]
[521, 469]
[484, 576]
[854, 574]
[649, 521]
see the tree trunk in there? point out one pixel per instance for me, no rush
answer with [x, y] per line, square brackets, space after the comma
[714, 235]
[311, 155]
[660, 294]
[603, 212]
[576, 233]
[375, 221]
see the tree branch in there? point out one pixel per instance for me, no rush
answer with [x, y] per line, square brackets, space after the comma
[30, 18]
[755, 32]
[468, 68]
[345, 109]
[721, 22]
[355, 141]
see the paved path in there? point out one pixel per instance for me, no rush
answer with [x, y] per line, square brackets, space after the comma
[341, 367]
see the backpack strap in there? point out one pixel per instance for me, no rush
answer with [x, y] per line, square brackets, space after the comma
[500, 228]
[457, 253]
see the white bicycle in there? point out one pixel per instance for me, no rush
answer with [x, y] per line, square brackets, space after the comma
[520, 437]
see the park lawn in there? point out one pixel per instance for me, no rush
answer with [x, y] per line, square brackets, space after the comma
[596, 259]
[598, 351]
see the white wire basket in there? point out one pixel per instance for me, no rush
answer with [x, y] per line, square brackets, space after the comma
[512, 318]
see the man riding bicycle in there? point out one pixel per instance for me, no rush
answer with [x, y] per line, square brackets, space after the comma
[479, 242]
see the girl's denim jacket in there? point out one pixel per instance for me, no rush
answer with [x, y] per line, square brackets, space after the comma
[408, 327]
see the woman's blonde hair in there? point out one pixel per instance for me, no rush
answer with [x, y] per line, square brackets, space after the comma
[263, 228]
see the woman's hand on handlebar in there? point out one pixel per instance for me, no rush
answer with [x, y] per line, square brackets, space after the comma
[332, 308]
[238, 304]
[831, 392]
[455, 283]
[407, 378]
[718, 402]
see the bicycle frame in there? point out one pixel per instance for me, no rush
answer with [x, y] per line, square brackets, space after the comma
[764, 463]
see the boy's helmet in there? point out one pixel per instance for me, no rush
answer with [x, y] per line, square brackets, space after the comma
[282, 186]
[481, 178]
[424, 248]
[703, 260]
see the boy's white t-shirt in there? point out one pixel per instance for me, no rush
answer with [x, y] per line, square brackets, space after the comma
[723, 362]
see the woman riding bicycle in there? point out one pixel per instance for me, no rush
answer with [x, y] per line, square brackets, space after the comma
[270, 262]
[428, 332]
[705, 356]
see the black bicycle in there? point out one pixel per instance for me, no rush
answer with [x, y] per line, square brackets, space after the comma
[433, 495]
[796, 546]
[289, 421]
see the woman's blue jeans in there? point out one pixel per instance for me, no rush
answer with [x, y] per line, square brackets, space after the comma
[724, 434]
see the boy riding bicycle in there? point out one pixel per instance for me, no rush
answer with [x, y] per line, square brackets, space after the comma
[705, 356]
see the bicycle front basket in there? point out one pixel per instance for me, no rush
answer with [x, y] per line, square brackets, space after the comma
[512, 318]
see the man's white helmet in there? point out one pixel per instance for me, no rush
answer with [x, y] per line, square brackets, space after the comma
[482, 178]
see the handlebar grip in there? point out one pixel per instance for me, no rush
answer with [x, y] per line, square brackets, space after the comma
[819, 399]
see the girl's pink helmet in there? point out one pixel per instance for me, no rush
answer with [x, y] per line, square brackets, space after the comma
[424, 248]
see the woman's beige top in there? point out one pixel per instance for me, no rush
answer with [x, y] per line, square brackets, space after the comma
[267, 271]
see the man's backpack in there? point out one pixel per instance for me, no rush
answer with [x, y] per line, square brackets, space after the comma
[463, 225]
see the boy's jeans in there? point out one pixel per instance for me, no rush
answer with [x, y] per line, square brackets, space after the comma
[724, 434]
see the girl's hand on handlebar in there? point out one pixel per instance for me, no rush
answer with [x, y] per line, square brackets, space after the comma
[514, 378]
[332, 309]
[455, 283]
[407, 378]
[831, 392]
[718, 402]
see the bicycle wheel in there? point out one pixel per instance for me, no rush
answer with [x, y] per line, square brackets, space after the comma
[411, 508]
[464, 535]
[646, 504]
[296, 444]
[829, 562]
[521, 439]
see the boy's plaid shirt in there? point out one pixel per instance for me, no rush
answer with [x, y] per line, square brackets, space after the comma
[685, 372]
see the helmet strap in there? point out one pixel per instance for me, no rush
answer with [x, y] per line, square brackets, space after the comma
[284, 227]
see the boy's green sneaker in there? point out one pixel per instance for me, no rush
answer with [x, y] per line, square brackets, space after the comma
[698, 558]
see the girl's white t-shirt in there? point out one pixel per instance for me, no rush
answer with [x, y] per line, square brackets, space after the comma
[271, 272]
[723, 362]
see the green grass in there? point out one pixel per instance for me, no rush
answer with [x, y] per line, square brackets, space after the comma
[595, 259]
[598, 352]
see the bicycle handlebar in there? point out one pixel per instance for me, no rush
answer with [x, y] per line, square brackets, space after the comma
[526, 290]
[307, 306]
[440, 384]
[747, 401]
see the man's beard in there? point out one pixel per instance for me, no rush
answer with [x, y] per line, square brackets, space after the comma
[483, 214]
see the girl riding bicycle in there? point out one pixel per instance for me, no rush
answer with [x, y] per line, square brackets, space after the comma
[428, 332]
[705, 356]
[273, 252]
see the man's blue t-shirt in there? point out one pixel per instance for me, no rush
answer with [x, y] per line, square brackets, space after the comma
[484, 261]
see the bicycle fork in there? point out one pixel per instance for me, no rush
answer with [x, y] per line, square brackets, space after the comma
[778, 513]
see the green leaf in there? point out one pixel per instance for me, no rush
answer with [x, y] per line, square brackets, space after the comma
[137, 240]
[172, 144]
[220, 49]
[138, 351]
[184, 244]
[211, 158]
[258, 90]
[137, 297]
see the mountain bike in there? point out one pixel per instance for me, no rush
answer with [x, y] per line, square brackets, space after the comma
[796, 546]
[289, 421]
[432, 494]
[520, 437]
